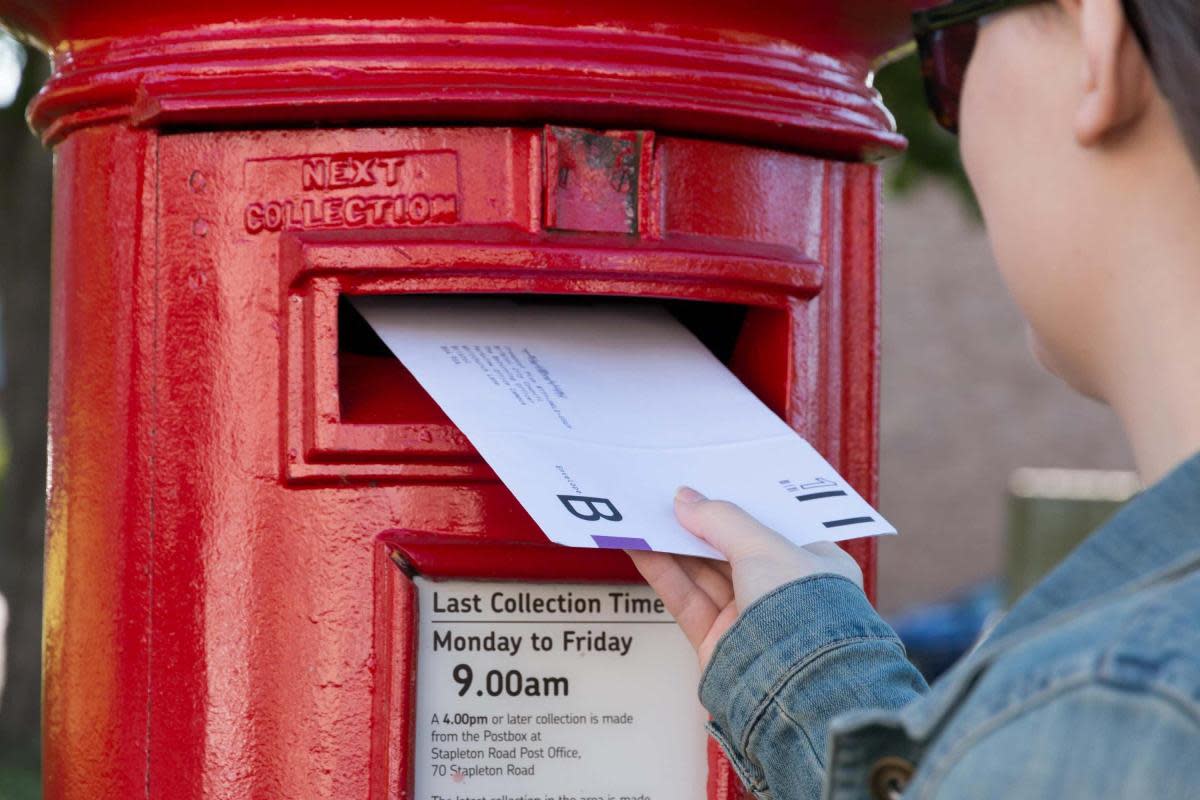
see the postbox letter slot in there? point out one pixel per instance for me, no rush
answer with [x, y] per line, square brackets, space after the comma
[374, 388]
[358, 414]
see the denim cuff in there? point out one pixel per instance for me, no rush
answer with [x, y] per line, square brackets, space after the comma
[773, 641]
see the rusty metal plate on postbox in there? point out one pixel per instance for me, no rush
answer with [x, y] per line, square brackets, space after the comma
[592, 179]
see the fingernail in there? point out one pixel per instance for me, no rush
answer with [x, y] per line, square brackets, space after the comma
[686, 494]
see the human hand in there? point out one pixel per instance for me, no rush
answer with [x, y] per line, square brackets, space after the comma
[704, 595]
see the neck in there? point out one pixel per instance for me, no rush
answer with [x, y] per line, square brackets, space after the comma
[1161, 419]
[1154, 381]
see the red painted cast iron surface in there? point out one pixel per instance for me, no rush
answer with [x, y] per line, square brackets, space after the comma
[236, 464]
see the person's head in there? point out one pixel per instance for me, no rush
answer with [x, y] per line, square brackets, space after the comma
[1080, 132]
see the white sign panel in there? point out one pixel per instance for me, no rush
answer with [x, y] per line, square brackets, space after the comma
[593, 414]
[554, 692]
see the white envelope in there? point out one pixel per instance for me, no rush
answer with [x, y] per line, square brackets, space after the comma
[594, 413]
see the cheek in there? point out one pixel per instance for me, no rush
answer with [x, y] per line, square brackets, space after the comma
[1017, 147]
[993, 118]
[1012, 131]
[989, 139]
[1017, 103]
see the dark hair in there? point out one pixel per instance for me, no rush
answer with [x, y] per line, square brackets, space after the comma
[1169, 32]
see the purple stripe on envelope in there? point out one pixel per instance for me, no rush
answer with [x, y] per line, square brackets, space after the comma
[622, 542]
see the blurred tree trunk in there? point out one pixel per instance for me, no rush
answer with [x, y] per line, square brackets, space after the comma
[25, 306]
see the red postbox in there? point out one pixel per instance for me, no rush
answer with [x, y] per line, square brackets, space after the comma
[242, 483]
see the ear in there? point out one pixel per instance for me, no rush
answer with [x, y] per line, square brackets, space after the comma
[1117, 83]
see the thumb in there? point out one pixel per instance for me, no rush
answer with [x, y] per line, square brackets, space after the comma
[724, 525]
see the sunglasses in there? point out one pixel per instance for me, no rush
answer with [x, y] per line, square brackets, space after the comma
[946, 36]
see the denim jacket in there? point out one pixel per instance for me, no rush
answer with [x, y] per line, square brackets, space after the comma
[1088, 688]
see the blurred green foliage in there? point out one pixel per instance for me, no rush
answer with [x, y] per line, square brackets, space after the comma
[17, 783]
[24, 189]
[932, 153]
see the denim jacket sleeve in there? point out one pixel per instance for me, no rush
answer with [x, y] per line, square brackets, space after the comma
[795, 658]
